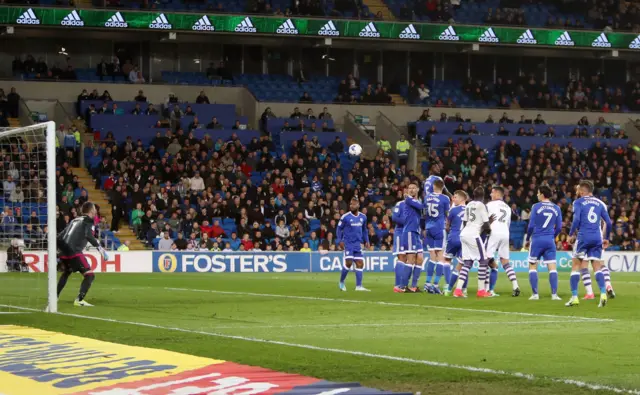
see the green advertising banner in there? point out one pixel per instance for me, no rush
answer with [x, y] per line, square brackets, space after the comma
[403, 31]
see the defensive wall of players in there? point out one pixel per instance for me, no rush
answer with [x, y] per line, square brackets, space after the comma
[276, 262]
[248, 106]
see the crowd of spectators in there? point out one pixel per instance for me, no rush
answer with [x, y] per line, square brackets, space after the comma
[349, 91]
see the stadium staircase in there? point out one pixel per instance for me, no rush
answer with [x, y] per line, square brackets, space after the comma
[99, 197]
[397, 99]
[379, 5]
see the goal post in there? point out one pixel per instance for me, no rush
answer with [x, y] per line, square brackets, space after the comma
[28, 220]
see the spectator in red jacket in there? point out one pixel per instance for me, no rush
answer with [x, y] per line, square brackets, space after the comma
[246, 242]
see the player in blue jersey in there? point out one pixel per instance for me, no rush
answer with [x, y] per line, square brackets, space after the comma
[398, 220]
[544, 225]
[588, 212]
[436, 207]
[411, 242]
[351, 234]
[454, 246]
[583, 268]
[434, 175]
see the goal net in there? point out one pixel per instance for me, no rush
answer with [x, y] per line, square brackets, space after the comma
[28, 218]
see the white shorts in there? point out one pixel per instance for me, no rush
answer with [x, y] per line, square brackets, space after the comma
[500, 244]
[472, 248]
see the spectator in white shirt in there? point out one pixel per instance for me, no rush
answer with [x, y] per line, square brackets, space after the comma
[135, 76]
[423, 93]
[165, 243]
[281, 230]
[8, 185]
[16, 196]
[197, 183]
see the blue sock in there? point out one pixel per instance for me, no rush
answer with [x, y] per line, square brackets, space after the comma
[408, 269]
[417, 269]
[600, 281]
[533, 280]
[343, 274]
[359, 273]
[399, 270]
[430, 266]
[453, 279]
[574, 280]
[439, 272]
[553, 281]
[447, 272]
[466, 283]
[493, 279]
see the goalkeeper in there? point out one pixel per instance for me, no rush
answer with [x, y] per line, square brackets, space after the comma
[71, 242]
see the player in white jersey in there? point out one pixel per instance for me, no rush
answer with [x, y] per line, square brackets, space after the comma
[476, 220]
[498, 241]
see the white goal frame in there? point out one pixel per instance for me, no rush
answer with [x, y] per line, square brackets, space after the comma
[50, 141]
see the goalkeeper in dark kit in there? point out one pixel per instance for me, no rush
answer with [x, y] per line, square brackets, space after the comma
[71, 243]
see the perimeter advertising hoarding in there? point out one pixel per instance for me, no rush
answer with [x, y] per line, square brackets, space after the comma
[331, 28]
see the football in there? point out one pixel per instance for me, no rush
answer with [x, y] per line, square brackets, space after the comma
[355, 149]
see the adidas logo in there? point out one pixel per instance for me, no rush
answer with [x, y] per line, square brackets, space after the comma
[160, 22]
[73, 19]
[526, 38]
[203, 24]
[287, 27]
[635, 44]
[449, 35]
[28, 18]
[116, 21]
[329, 29]
[410, 32]
[489, 36]
[369, 31]
[601, 41]
[246, 26]
[565, 39]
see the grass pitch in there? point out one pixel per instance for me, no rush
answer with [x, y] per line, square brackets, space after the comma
[302, 323]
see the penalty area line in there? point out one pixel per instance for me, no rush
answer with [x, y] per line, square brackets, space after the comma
[394, 304]
[497, 372]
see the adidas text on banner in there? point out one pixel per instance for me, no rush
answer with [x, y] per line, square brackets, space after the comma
[635, 44]
[160, 22]
[246, 26]
[329, 29]
[449, 35]
[73, 19]
[369, 30]
[116, 21]
[28, 18]
[203, 24]
[287, 27]
[489, 36]
[601, 41]
[410, 33]
[527, 38]
[565, 40]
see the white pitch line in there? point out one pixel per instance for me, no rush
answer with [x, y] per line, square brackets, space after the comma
[394, 304]
[401, 324]
[527, 376]
[13, 312]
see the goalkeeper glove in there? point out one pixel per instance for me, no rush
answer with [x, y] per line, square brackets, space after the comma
[104, 254]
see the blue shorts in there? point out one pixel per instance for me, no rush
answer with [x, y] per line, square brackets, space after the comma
[354, 253]
[454, 248]
[397, 237]
[542, 249]
[589, 249]
[435, 239]
[410, 243]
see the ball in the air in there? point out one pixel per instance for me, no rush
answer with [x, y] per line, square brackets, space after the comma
[355, 149]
